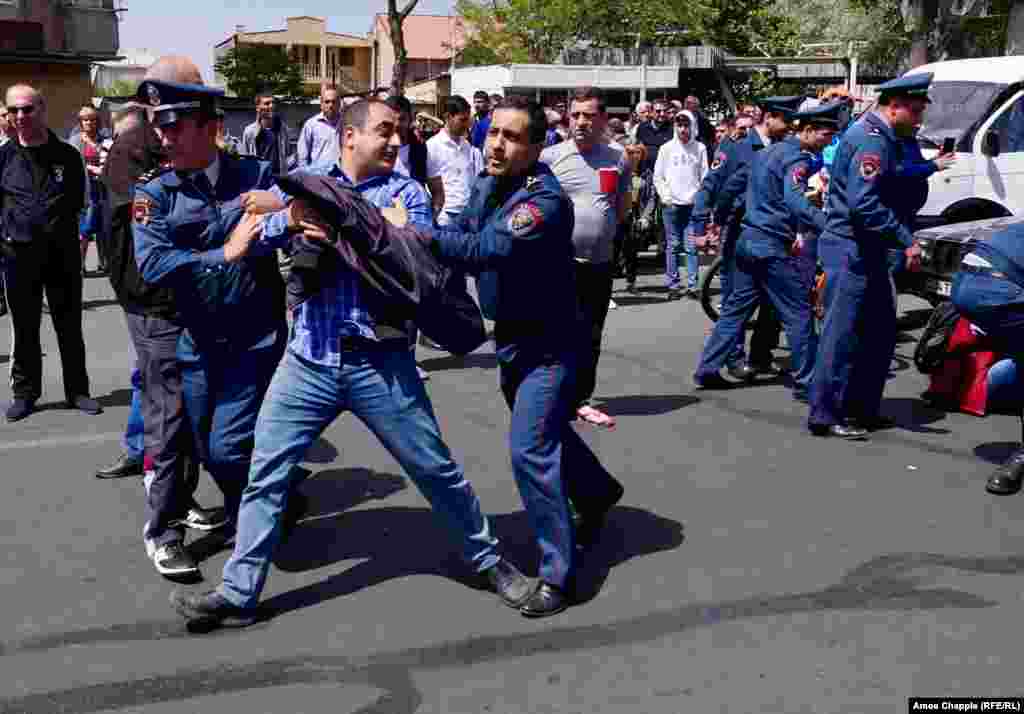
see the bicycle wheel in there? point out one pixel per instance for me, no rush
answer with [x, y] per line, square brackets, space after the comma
[710, 292]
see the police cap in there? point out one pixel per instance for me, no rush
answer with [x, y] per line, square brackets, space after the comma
[909, 85]
[830, 115]
[171, 101]
[781, 105]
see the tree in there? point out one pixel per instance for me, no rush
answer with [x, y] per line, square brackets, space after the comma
[252, 69]
[117, 88]
[396, 18]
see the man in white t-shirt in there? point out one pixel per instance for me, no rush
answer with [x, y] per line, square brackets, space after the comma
[453, 164]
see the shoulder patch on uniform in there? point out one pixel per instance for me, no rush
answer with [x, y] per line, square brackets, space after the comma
[720, 158]
[799, 174]
[142, 209]
[524, 219]
[870, 166]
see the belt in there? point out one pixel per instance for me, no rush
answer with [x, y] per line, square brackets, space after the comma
[355, 343]
[978, 270]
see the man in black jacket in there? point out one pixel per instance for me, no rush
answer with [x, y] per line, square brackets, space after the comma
[42, 193]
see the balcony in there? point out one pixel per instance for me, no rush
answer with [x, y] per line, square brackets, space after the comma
[341, 76]
[92, 26]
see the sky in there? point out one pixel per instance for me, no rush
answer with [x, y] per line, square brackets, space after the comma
[193, 27]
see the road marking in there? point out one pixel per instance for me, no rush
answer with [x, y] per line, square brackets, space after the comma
[62, 441]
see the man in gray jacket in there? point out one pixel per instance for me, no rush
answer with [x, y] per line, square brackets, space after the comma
[268, 138]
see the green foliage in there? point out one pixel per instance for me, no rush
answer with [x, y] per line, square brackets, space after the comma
[251, 69]
[118, 88]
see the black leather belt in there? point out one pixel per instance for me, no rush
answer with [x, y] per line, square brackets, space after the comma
[355, 343]
[979, 270]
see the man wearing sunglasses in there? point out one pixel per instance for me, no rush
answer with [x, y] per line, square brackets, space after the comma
[42, 193]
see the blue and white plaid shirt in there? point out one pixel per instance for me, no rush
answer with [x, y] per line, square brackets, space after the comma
[340, 310]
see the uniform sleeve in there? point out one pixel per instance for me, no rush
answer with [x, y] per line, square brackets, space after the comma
[734, 187]
[867, 212]
[705, 198]
[517, 224]
[160, 261]
[796, 174]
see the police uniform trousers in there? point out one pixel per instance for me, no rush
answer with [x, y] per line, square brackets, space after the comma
[765, 337]
[223, 386]
[594, 289]
[550, 462]
[858, 338]
[52, 263]
[762, 278]
[995, 304]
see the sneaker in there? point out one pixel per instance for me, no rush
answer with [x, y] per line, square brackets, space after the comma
[19, 409]
[203, 519]
[211, 610]
[172, 559]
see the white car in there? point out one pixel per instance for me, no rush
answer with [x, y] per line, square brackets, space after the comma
[979, 104]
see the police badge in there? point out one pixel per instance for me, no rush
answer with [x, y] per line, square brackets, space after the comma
[142, 210]
[870, 165]
[153, 94]
[799, 175]
[524, 219]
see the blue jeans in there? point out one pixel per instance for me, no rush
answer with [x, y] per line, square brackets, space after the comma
[133, 430]
[676, 218]
[382, 389]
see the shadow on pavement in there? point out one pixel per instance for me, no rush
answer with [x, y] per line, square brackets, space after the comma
[627, 300]
[396, 542]
[646, 404]
[996, 452]
[912, 415]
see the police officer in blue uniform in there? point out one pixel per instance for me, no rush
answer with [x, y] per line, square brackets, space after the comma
[725, 206]
[989, 291]
[191, 232]
[769, 263]
[870, 211]
[516, 235]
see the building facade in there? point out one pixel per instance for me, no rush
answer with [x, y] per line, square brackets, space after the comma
[430, 42]
[324, 57]
[51, 45]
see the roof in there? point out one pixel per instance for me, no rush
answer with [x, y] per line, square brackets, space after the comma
[997, 70]
[258, 35]
[428, 36]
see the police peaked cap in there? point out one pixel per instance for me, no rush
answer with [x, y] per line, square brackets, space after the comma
[825, 115]
[909, 85]
[171, 101]
[782, 105]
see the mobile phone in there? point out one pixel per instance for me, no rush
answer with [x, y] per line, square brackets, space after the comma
[948, 145]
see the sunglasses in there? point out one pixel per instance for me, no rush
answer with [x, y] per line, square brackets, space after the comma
[27, 110]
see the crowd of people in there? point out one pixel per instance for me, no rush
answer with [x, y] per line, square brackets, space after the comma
[241, 366]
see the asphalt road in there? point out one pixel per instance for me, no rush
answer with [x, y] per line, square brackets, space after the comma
[750, 567]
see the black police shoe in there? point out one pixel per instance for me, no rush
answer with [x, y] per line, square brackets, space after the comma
[125, 465]
[742, 372]
[211, 610]
[546, 601]
[712, 381]
[512, 586]
[1007, 478]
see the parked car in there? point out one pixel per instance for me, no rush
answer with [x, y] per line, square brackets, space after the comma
[943, 248]
[979, 105]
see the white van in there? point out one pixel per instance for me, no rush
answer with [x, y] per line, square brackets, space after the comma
[979, 103]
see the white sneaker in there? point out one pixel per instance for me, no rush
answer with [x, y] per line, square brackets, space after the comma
[173, 559]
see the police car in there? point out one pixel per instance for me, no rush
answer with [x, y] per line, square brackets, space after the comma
[943, 247]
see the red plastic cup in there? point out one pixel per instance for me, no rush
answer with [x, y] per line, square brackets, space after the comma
[609, 179]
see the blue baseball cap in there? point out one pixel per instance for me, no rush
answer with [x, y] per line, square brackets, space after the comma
[171, 101]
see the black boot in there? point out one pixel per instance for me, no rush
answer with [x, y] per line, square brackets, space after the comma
[1007, 478]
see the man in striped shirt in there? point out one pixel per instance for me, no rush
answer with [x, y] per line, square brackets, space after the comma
[344, 356]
